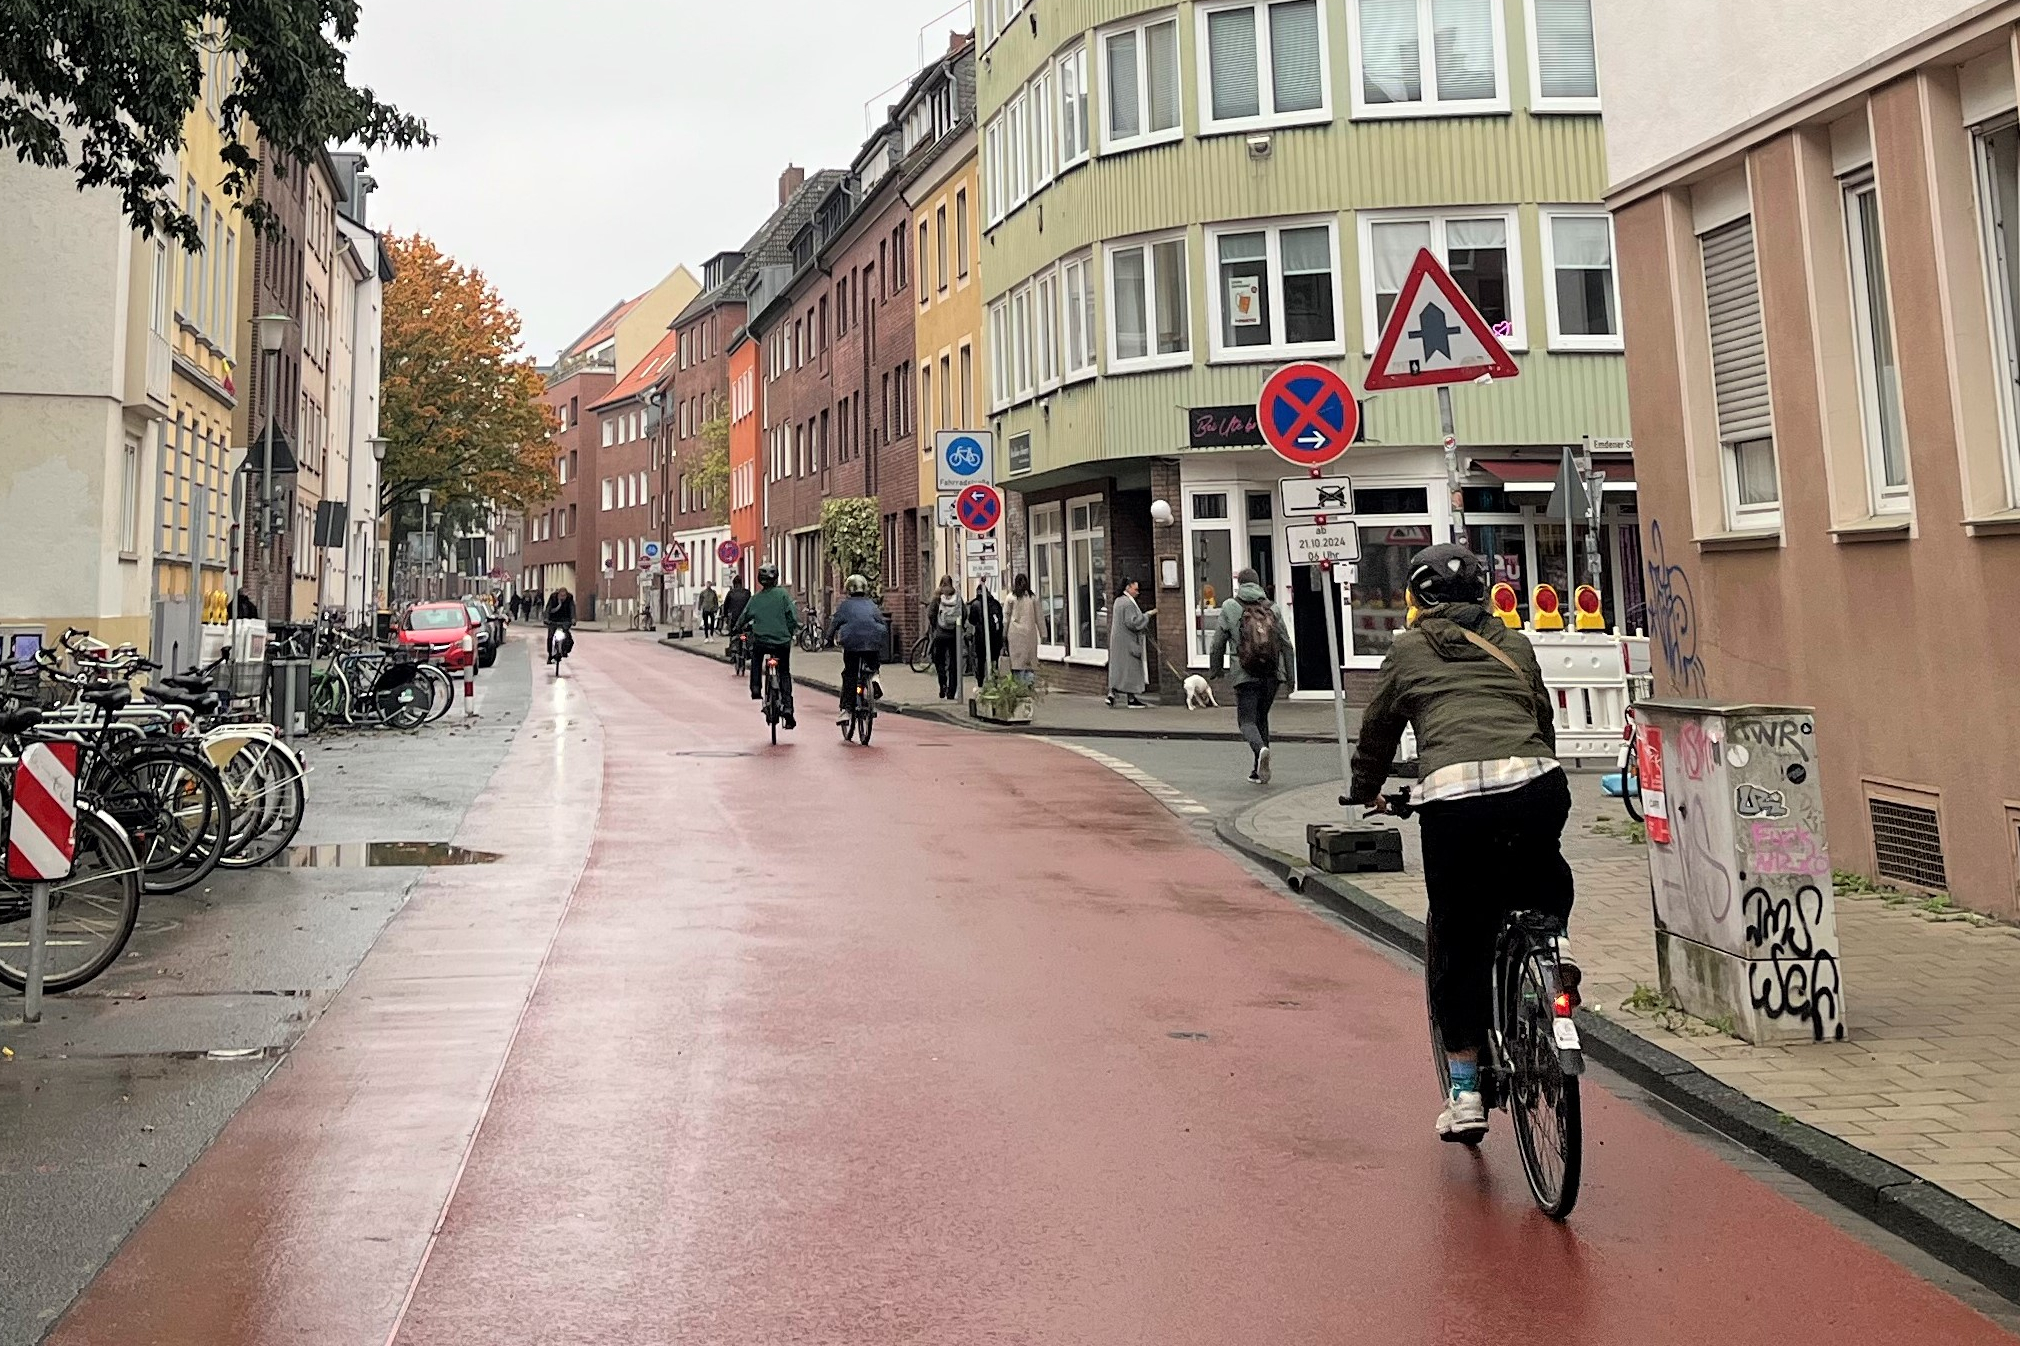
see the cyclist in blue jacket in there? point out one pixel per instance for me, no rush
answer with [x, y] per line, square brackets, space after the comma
[863, 632]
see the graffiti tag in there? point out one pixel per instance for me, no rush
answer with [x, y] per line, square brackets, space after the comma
[1789, 736]
[1756, 801]
[1787, 849]
[1799, 979]
[1672, 612]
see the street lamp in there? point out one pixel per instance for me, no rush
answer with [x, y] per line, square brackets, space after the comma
[273, 331]
[427, 562]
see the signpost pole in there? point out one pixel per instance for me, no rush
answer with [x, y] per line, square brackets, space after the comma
[1595, 493]
[1334, 655]
[1453, 483]
[38, 950]
[988, 654]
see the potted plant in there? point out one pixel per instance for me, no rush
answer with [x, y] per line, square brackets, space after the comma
[1005, 699]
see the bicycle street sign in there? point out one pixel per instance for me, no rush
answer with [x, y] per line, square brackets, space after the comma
[964, 458]
[1308, 414]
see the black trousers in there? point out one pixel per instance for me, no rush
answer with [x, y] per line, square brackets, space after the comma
[1252, 702]
[858, 666]
[784, 654]
[947, 664]
[1483, 858]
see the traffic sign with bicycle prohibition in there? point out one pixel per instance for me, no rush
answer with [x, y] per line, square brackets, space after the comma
[1308, 414]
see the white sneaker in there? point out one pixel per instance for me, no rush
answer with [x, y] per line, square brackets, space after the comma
[1464, 1118]
[1262, 766]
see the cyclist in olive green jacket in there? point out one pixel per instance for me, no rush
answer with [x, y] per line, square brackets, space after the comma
[772, 620]
[1490, 794]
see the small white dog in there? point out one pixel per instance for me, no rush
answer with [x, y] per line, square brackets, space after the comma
[1199, 694]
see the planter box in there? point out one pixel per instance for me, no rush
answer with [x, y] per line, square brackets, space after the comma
[1023, 713]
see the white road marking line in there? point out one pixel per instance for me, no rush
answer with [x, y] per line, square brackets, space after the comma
[1178, 803]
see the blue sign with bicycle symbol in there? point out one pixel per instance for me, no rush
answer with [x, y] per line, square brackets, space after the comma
[965, 457]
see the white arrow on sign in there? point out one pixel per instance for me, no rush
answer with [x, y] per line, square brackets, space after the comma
[1312, 439]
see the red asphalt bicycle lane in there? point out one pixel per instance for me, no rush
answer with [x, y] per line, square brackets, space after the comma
[903, 1044]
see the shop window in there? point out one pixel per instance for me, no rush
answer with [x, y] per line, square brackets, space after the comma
[1048, 577]
[1087, 550]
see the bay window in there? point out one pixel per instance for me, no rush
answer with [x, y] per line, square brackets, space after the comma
[1073, 144]
[1045, 321]
[1140, 84]
[999, 354]
[1428, 58]
[1477, 248]
[1262, 65]
[1276, 290]
[1563, 67]
[1076, 297]
[1584, 309]
[1020, 343]
[1149, 319]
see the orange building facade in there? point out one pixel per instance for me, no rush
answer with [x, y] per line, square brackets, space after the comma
[746, 516]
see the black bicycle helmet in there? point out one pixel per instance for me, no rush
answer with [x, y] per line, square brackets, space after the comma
[1447, 574]
[768, 575]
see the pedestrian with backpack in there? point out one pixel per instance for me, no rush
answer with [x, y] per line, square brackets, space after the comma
[1252, 627]
[945, 616]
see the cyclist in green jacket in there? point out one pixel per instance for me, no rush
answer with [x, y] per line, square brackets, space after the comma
[772, 620]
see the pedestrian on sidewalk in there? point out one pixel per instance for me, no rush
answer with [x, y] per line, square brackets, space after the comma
[1021, 628]
[708, 604]
[734, 603]
[981, 602]
[1490, 794]
[943, 619]
[863, 632]
[1250, 624]
[1128, 661]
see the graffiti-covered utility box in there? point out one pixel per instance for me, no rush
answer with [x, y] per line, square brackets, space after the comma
[1745, 919]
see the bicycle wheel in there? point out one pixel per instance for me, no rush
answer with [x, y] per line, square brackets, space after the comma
[441, 689]
[922, 654]
[325, 701]
[266, 780]
[91, 913]
[401, 702]
[174, 806]
[1549, 1127]
[866, 720]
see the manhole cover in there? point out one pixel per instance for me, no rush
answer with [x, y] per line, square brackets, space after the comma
[709, 754]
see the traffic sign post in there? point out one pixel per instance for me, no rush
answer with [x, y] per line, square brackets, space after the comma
[1308, 414]
[964, 458]
[1436, 337]
[42, 846]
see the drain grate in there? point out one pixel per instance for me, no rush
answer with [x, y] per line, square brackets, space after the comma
[1907, 843]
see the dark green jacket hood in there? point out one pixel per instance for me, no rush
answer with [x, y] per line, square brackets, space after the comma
[1466, 705]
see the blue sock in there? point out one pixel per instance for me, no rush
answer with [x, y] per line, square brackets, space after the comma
[1465, 1077]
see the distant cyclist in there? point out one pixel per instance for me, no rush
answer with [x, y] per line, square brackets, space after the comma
[1493, 799]
[560, 618]
[773, 621]
[863, 632]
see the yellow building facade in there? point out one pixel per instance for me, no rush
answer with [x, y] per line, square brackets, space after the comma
[945, 197]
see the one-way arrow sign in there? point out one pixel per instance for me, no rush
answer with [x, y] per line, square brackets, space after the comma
[1435, 335]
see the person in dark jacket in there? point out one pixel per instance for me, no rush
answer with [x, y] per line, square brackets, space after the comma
[974, 623]
[863, 632]
[944, 619]
[243, 607]
[734, 602]
[1250, 624]
[773, 620]
[1491, 795]
[560, 619]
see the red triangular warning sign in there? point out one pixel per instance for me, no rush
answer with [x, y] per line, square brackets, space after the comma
[1435, 335]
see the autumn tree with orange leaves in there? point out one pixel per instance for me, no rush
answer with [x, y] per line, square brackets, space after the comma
[459, 405]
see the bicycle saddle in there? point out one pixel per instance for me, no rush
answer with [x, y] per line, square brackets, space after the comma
[203, 701]
[109, 698]
[19, 721]
[193, 684]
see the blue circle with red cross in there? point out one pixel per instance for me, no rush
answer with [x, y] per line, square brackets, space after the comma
[979, 508]
[1308, 414]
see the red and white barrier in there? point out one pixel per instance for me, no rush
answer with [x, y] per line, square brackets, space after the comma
[42, 831]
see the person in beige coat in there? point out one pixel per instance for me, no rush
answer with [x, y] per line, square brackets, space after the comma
[1022, 620]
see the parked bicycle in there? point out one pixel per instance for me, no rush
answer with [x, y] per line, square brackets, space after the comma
[1534, 1056]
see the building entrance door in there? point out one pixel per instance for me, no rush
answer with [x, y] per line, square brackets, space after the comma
[1308, 629]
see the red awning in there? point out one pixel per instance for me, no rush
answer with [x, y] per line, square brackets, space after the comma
[1539, 472]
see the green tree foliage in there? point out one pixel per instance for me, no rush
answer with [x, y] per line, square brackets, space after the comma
[852, 533]
[710, 473]
[103, 87]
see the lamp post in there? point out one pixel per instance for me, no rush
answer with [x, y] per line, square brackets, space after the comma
[273, 330]
[424, 572]
[377, 443]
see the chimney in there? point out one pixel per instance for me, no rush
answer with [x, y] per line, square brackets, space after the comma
[790, 181]
[956, 41]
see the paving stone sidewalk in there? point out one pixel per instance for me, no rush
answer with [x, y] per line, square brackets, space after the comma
[1929, 1076]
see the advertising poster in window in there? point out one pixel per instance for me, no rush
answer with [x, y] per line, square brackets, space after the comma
[1244, 300]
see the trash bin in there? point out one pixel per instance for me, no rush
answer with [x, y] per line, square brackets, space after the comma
[1745, 917]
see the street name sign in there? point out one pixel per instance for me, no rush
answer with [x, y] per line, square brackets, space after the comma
[1435, 335]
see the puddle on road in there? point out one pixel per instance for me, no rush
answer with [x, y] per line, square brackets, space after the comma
[385, 855]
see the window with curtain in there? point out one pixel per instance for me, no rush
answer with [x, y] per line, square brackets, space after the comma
[1561, 55]
[1140, 68]
[1478, 250]
[1584, 311]
[1276, 289]
[1428, 57]
[1262, 63]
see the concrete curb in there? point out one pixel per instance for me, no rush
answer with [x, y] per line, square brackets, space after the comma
[934, 711]
[1947, 1227]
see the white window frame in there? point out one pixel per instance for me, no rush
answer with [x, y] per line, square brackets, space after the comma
[1265, 72]
[1093, 654]
[1045, 290]
[1558, 339]
[1023, 372]
[1739, 517]
[999, 353]
[1537, 101]
[1047, 523]
[992, 169]
[1144, 138]
[2002, 298]
[1882, 497]
[609, 431]
[1072, 82]
[1427, 61]
[1518, 298]
[1148, 242]
[1085, 318]
[608, 492]
[1277, 348]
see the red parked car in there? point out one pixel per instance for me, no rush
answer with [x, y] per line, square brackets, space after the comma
[445, 630]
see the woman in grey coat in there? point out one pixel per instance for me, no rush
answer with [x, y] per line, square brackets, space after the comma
[1128, 664]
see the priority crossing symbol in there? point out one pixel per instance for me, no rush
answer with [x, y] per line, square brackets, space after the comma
[1435, 335]
[980, 508]
[1308, 414]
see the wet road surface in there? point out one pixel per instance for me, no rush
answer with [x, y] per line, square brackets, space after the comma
[956, 1039]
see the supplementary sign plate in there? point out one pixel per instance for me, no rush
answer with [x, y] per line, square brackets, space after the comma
[1304, 497]
[1309, 544]
[1435, 335]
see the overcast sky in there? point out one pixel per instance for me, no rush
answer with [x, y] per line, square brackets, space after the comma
[589, 146]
